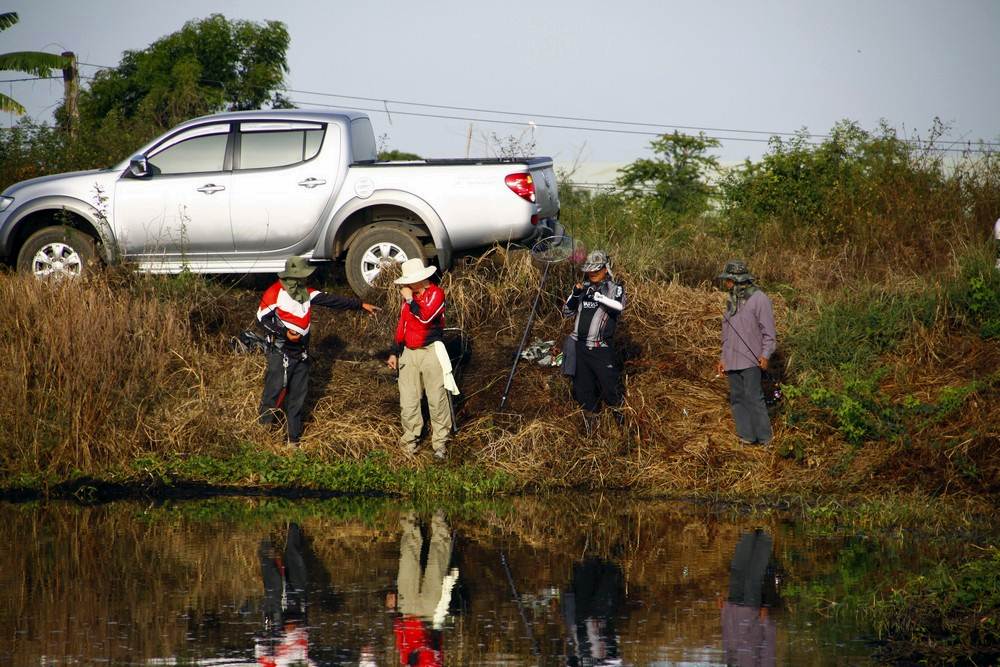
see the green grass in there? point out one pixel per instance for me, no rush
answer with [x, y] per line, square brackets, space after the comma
[951, 613]
[374, 474]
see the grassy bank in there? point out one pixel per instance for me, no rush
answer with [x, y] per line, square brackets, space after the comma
[127, 377]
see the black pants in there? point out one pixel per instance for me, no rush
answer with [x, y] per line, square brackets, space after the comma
[284, 583]
[597, 377]
[295, 394]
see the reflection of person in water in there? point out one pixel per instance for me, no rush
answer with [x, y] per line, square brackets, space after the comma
[286, 640]
[590, 608]
[422, 596]
[748, 631]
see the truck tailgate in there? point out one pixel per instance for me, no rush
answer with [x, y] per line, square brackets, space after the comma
[546, 189]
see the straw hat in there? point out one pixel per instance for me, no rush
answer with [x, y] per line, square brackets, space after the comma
[414, 271]
[297, 267]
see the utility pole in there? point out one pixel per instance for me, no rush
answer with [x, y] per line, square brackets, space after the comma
[71, 92]
[468, 141]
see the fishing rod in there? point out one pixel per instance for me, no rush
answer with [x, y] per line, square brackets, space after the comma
[520, 608]
[549, 250]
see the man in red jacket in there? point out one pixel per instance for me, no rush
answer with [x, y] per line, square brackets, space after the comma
[285, 313]
[421, 358]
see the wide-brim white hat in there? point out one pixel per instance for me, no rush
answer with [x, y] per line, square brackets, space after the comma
[414, 271]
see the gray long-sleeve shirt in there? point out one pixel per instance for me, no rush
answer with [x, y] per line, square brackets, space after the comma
[754, 323]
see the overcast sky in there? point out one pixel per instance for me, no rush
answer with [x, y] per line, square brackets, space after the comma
[741, 65]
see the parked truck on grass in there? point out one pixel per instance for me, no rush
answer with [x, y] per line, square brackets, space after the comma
[239, 192]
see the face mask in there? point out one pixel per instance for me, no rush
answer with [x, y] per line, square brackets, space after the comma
[296, 289]
[738, 296]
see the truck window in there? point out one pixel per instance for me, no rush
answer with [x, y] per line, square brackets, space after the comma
[191, 156]
[264, 145]
[363, 141]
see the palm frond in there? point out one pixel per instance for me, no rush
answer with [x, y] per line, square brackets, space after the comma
[31, 62]
[10, 105]
[7, 19]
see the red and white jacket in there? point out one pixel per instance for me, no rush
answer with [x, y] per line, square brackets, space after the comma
[279, 311]
[421, 321]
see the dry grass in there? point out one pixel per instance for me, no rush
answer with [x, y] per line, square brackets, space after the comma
[103, 371]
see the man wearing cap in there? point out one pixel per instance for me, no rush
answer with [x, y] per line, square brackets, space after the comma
[421, 358]
[597, 307]
[748, 340]
[285, 312]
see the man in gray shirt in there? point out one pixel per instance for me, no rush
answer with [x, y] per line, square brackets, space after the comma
[748, 340]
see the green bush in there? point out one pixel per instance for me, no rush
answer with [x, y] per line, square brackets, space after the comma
[873, 196]
[856, 327]
[975, 294]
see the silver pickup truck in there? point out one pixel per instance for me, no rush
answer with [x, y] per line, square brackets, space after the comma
[239, 192]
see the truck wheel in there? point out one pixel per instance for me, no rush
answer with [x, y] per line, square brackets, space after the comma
[54, 253]
[372, 249]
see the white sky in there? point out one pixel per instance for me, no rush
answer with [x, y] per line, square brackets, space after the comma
[767, 65]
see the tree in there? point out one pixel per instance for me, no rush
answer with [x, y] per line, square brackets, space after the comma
[677, 177]
[36, 63]
[207, 66]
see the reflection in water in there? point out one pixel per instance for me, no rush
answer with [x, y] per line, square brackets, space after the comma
[748, 630]
[285, 640]
[422, 594]
[590, 606]
[574, 580]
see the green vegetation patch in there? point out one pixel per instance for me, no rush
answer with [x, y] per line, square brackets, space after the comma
[374, 474]
[946, 613]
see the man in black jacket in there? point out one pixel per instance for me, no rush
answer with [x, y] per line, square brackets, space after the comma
[597, 305]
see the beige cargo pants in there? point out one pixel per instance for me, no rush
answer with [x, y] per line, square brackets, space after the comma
[420, 373]
[420, 592]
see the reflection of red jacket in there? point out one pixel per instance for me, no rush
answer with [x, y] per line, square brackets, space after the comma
[412, 635]
[421, 322]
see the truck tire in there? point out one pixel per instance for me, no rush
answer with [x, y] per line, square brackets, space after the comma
[58, 252]
[371, 248]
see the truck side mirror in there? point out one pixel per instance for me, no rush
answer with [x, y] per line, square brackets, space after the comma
[138, 166]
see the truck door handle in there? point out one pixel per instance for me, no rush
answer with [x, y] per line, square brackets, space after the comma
[211, 188]
[312, 182]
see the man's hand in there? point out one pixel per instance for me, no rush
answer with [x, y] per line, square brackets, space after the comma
[578, 288]
[406, 292]
[720, 368]
[369, 308]
[762, 362]
[393, 362]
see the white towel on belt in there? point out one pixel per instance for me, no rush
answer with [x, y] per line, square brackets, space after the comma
[442, 354]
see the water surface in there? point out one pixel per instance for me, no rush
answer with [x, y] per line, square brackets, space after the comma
[571, 580]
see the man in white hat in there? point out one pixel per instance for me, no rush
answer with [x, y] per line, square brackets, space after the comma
[596, 305]
[421, 358]
[285, 312]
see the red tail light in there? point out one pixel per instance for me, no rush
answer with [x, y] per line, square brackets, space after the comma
[523, 185]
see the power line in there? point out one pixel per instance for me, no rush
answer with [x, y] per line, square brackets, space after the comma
[577, 127]
[582, 119]
[501, 121]
[550, 116]
[41, 78]
[30, 78]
